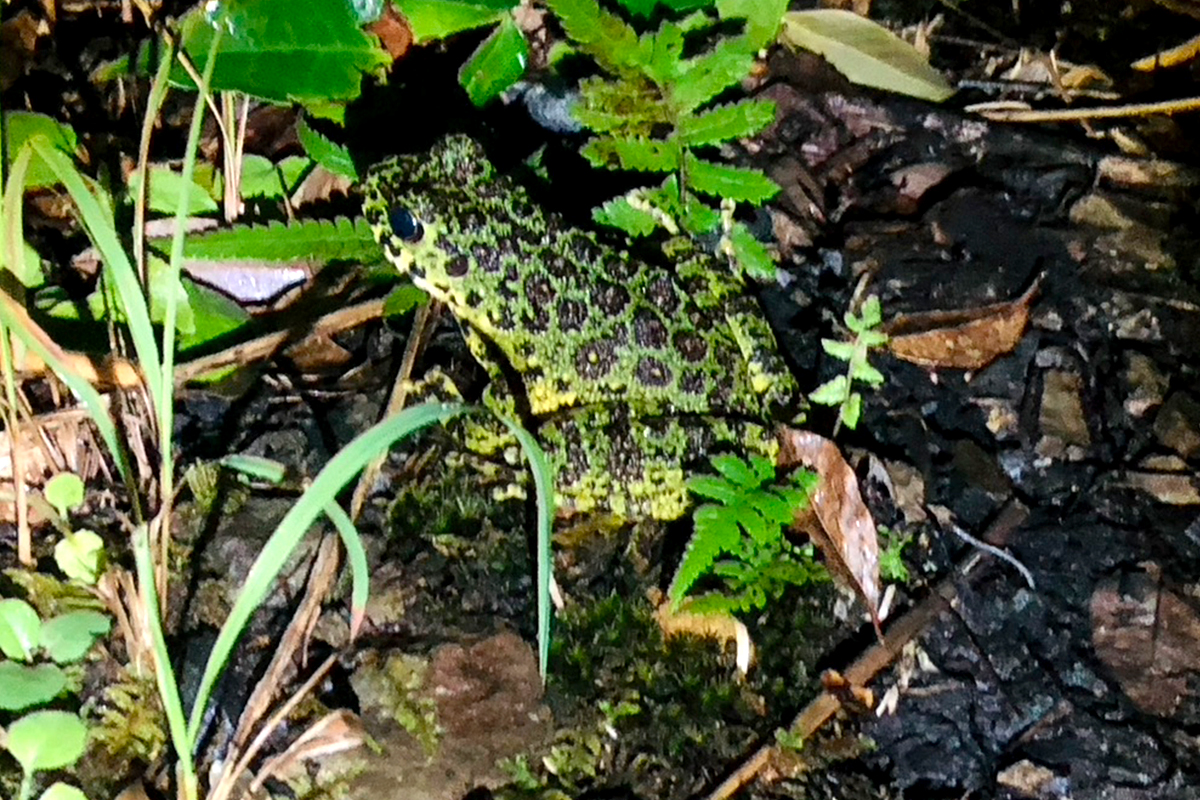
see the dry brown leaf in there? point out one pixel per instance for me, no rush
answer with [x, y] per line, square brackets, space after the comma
[846, 531]
[968, 339]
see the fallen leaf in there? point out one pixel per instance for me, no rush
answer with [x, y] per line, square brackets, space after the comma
[969, 339]
[846, 531]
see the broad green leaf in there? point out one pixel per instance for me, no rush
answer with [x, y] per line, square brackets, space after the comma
[326, 152]
[832, 393]
[598, 33]
[496, 64]
[260, 178]
[619, 213]
[47, 740]
[751, 253]
[437, 19]
[730, 183]
[865, 52]
[294, 168]
[20, 629]
[213, 315]
[642, 8]
[843, 351]
[309, 51]
[166, 187]
[402, 299]
[24, 686]
[24, 125]
[62, 791]
[724, 123]
[67, 637]
[80, 555]
[64, 491]
[643, 155]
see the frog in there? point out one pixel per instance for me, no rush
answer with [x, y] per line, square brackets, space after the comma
[628, 371]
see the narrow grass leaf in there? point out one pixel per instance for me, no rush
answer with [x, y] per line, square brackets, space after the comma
[340, 470]
[356, 557]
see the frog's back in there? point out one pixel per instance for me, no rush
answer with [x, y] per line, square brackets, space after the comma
[579, 321]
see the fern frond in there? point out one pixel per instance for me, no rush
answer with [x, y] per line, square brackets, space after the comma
[723, 123]
[602, 35]
[311, 240]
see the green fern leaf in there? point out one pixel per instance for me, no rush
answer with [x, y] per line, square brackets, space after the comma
[736, 471]
[751, 521]
[751, 254]
[724, 123]
[731, 183]
[663, 53]
[714, 488]
[312, 241]
[706, 76]
[775, 509]
[716, 532]
[629, 105]
[763, 18]
[618, 213]
[764, 468]
[638, 153]
[602, 35]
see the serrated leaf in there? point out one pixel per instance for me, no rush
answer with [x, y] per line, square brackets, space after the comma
[437, 19]
[598, 33]
[873, 338]
[260, 178]
[663, 52]
[307, 51]
[865, 52]
[831, 393]
[402, 299]
[311, 240]
[843, 351]
[863, 371]
[775, 508]
[724, 123]
[751, 254]
[326, 152]
[641, 8]
[715, 532]
[213, 315]
[764, 468]
[714, 488]
[706, 76]
[730, 183]
[618, 213]
[872, 311]
[496, 64]
[697, 217]
[24, 686]
[852, 410]
[763, 18]
[638, 153]
[735, 470]
[751, 521]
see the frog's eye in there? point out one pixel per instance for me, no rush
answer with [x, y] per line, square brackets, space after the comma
[405, 225]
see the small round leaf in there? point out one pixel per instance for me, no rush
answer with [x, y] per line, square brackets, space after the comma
[47, 740]
[23, 686]
[64, 491]
[20, 629]
[80, 555]
[62, 791]
[69, 636]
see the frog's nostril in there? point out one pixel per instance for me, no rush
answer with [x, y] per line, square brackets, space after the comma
[405, 225]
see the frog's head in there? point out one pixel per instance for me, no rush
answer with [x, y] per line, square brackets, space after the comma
[413, 204]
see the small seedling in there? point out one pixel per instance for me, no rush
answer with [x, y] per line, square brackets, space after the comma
[839, 391]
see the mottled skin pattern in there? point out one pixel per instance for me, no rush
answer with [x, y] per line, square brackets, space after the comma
[627, 371]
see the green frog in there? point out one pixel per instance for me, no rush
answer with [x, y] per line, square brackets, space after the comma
[627, 372]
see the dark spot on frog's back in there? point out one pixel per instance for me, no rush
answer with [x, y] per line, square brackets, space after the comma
[558, 266]
[652, 372]
[691, 346]
[458, 267]
[693, 383]
[595, 359]
[539, 291]
[572, 315]
[649, 330]
[610, 298]
[662, 296]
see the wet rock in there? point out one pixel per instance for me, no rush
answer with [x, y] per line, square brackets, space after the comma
[1177, 424]
[1064, 428]
[1027, 779]
[1147, 385]
[1147, 636]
